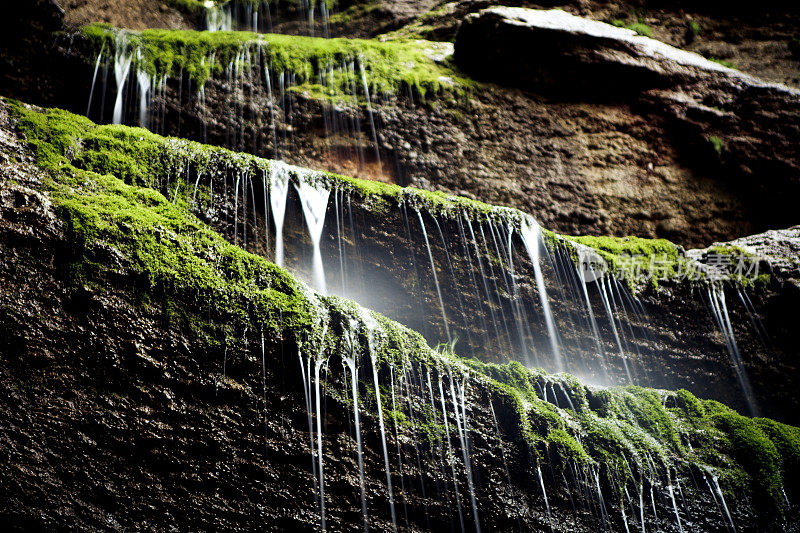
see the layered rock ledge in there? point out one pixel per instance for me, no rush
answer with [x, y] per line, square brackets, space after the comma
[153, 376]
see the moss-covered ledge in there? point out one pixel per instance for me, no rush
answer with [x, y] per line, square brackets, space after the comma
[142, 158]
[199, 55]
[165, 252]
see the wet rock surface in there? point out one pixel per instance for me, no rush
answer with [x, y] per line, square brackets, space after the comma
[705, 107]
[709, 162]
[118, 416]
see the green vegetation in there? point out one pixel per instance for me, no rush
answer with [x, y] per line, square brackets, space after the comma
[724, 62]
[140, 157]
[222, 291]
[693, 29]
[717, 143]
[627, 429]
[637, 260]
[194, 8]
[639, 27]
[390, 66]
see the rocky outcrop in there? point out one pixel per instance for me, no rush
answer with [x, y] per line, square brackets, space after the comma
[153, 378]
[600, 168]
[375, 250]
[714, 115]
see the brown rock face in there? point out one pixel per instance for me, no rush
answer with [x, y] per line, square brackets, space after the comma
[658, 150]
[116, 415]
[718, 121]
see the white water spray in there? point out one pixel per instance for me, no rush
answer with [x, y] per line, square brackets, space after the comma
[122, 66]
[278, 189]
[315, 204]
[531, 234]
[370, 326]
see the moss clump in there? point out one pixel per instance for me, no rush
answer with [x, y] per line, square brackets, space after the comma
[194, 8]
[639, 27]
[637, 260]
[693, 30]
[750, 447]
[724, 62]
[143, 158]
[717, 144]
[389, 66]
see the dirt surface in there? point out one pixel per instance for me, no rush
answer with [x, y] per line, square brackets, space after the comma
[131, 14]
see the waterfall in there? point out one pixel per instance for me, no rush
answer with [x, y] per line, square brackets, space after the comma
[145, 83]
[718, 489]
[716, 296]
[531, 235]
[278, 190]
[464, 438]
[675, 506]
[544, 494]
[450, 455]
[320, 456]
[315, 204]
[122, 66]
[94, 78]
[351, 364]
[435, 276]
[218, 18]
[613, 321]
[373, 356]
[369, 110]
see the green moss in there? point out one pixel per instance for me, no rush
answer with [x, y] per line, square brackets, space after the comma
[717, 143]
[142, 158]
[195, 8]
[693, 29]
[176, 261]
[692, 407]
[639, 27]
[787, 442]
[390, 66]
[353, 13]
[752, 449]
[723, 62]
[635, 259]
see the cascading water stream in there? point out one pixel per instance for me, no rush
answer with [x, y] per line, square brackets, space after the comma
[305, 372]
[145, 85]
[349, 338]
[544, 494]
[369, 323]
[314, 200]
[122, 66]
[365, 86]
[435, 276]
[675, 507]
[531, 235]
[278, 191]
[450, 455]
[461, 425]
[716, 296]
[94, 78]
[721, 496]
[320, 456]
